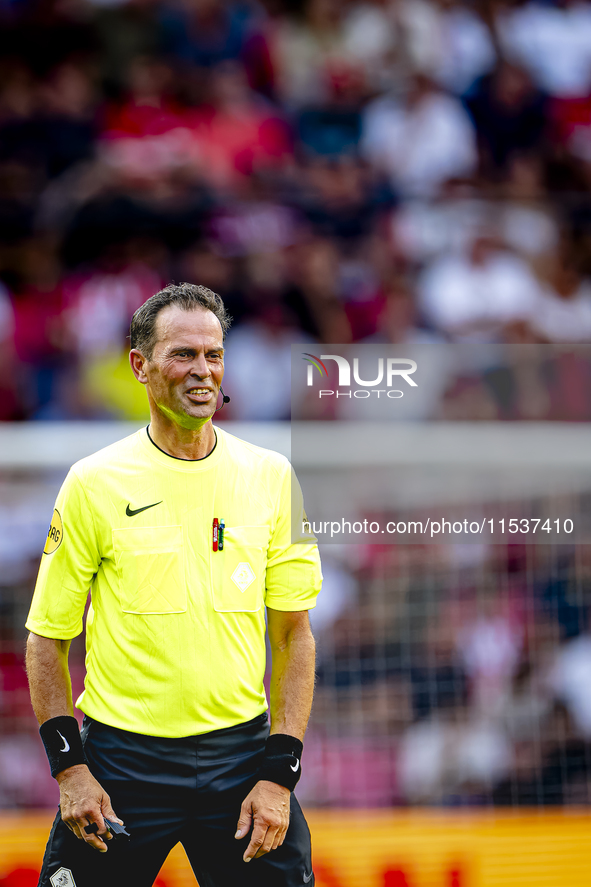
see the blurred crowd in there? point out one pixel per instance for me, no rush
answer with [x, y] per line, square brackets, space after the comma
[452, 675]
[391, 171]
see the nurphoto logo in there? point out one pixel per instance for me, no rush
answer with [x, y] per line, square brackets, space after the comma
[391, 371]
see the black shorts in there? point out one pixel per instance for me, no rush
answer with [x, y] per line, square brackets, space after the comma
[170, 790]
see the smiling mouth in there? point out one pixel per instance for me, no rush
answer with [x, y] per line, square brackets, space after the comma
[199, 392]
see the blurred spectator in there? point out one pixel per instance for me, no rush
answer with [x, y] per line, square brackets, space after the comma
[569, 679]
[267, 332]
[526, 222]
[421, 142]
[454, 755]
[510, 116]
[18, 105]
[125, 31]
[308, 50]
[342, 199]
[438, 675]
[206, 32]
[9, 395]
[237, 134]
[526, 706]
[397, 321]
[422, 229]
[67, 124]
[147, 135]
[564, 309]
[490, 648]
[254, 224]
[372, 40]
[23, 773]
[339, 591]
[99, 305]
[315, 294]
[553, 40]
[332, 130]
[38, 303]
[550, 770]
[472, 297]
[204, 263]
[448, 41]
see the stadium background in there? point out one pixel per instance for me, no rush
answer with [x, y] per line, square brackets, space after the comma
[387, 171]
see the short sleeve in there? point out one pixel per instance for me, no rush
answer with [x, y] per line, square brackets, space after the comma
[69, 561]
[294, 576]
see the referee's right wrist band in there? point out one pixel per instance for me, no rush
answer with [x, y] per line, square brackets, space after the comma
[63, 743]
[282, 761]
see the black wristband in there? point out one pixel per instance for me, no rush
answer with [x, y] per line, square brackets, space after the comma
[282, 761]
[63, 743]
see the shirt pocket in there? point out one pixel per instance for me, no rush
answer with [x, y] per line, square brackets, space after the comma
[151, 570]
[239, 570]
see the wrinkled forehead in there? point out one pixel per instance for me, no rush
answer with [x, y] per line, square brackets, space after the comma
[176, 325]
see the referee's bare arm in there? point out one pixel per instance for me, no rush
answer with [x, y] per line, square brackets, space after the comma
[266, 807]
[82, 799]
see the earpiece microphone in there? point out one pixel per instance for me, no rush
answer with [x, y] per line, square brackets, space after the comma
[225, 400]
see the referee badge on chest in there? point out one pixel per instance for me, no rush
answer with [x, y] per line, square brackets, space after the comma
[238, 571]
[243, 576]
[63, 878]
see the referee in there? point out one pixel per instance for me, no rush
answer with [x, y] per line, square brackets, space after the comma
[183, 534]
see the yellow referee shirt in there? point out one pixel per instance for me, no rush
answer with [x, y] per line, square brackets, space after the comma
[175, 631]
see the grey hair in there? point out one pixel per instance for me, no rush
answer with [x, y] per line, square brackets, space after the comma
[188, 296]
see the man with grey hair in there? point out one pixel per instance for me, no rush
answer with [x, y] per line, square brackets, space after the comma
[183, 533]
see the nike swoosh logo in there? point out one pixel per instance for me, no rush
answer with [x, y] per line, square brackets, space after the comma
[66, 743]
[131, 513]
[295, 769]
[308, 878]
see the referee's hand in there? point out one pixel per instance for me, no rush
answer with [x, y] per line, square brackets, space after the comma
[83, 802]
[266, 810]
